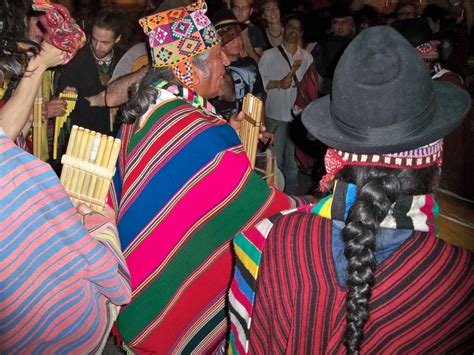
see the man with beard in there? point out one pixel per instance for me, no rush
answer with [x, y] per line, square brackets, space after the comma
[90, 70]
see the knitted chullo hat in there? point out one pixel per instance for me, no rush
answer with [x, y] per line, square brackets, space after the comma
[177, 35]
[63, 31]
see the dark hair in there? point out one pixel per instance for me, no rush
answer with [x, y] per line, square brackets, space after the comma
[264, 2]
[13, 58]
[144, 93]
[292, 16]
[117, 22]
[378, 189]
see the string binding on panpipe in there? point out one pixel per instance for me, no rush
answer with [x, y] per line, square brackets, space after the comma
[71, 99]
[88, 166]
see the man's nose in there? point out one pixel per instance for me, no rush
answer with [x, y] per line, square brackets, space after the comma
[225, 58]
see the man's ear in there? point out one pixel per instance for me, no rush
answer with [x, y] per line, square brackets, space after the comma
[197, 75]
[117, 40]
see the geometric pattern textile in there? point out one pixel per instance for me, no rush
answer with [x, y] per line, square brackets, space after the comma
[176, 35]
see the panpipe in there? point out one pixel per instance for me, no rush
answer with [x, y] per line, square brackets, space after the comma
[252, 108]
[39, 127]
[61, 126]
[266, 167]
[88, 166]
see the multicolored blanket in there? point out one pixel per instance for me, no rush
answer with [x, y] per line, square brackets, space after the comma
[60, 287]
[184, 188]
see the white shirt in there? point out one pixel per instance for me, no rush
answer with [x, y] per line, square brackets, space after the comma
[273, 66]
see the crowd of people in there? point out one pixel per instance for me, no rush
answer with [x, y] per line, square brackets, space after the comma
[195, 251]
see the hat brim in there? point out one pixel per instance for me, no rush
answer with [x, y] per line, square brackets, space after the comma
[222, 25]
[452, 105]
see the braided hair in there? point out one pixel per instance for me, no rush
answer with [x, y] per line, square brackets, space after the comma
[378, 189]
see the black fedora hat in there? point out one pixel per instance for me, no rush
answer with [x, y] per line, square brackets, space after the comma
[383, 99]
[415, 30]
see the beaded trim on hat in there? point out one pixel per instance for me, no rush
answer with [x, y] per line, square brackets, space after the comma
[417, 158]
[428, 51]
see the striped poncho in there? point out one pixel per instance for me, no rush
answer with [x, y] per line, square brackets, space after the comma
[286, 297]
[60, 288]
[184, 188]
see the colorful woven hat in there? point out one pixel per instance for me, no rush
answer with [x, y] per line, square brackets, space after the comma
[63, 31]
[177, 35]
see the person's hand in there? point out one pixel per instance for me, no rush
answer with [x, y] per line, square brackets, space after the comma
[50, 56]
[236, 122]
[267, 138]
[97, 100]
[106, 215]
[285, 83]
[54, 108]
[70, 90]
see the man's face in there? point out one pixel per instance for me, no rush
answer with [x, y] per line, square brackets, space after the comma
[35, 30]
[343, 27]
[235, 47]
[208, 84]
[241, 10]
[406, 12]
[293, 31]
[103, 41]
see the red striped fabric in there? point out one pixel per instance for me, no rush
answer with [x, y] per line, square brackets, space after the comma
[421, 302]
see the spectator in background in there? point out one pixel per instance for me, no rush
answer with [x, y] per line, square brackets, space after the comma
[282, 68]
[90, 71]
[405, 10]
[243, 70]
[327, 53]
[317, 82]
[253, 37]
[270, 12]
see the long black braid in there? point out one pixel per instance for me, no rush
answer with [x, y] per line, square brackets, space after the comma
[378, 189]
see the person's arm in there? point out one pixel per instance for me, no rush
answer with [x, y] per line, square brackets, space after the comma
[117, 91]
[254, 53]
[283, 83]
[14, 114]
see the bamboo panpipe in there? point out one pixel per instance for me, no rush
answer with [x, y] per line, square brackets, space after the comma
[253, 109]
[71, 99]
[88, 166]
[38, 126]
[266, 167]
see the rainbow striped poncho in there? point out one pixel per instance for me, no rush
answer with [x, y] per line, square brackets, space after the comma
[184, 188]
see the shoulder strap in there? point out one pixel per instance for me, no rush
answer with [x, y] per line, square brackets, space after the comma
[283, 53]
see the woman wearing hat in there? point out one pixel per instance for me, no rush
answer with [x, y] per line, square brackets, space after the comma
[363, 270]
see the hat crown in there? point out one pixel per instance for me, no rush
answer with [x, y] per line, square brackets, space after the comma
[381, 82]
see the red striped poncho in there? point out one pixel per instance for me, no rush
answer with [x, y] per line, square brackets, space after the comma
[285, 296]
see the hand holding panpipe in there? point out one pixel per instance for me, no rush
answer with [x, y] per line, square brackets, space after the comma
[88, 166]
